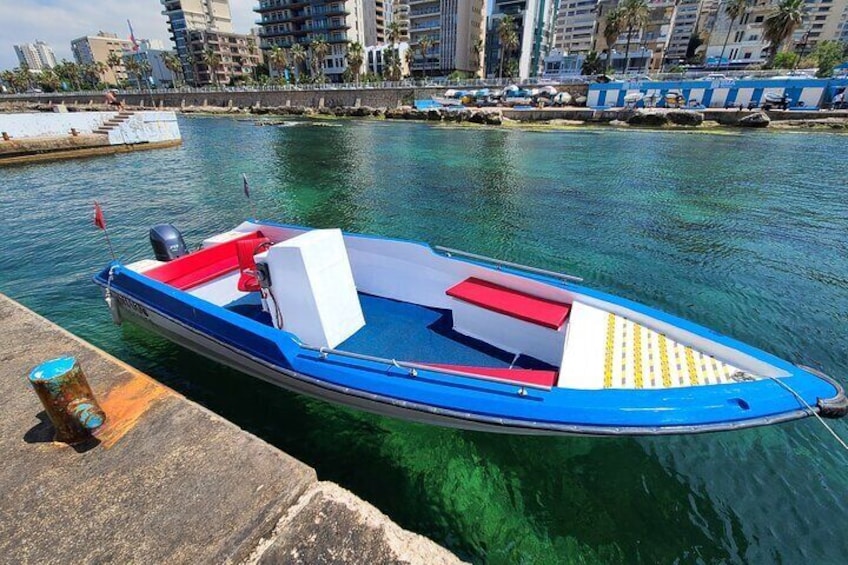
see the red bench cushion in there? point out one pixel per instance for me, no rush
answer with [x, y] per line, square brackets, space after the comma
[529, 376]
[201, 266]
[515, 303]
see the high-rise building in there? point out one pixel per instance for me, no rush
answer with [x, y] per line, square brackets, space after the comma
[535, 22]
[739, 43]
[194, 15]
[219, 58]
[577, 25]
[374, 25]
[823, 23]
[455, 30]
[285, 23]
[36, 56]
[398, 12]
[99, 49]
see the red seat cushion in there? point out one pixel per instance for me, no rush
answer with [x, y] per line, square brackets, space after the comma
[514, 303]
[201, 266]
[528, 376]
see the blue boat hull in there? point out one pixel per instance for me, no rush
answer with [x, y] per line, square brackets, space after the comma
[444, 399]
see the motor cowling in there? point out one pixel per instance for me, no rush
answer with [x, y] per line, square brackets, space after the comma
[167, 242]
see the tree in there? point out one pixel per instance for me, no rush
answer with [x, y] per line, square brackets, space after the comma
[508, 37]
[278, 59]
[635, 15]
[133, 69]
[212, 60]
[827, 54]
[613, 26]
[173, 64]
[734, 9]
[320, 49]
[355, 58]
[394, 33]
[298, 54]
[592, 64]
[424, 45]
[781, 23]
[114, 61]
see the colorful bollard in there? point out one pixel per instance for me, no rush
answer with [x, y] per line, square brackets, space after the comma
[67, 399]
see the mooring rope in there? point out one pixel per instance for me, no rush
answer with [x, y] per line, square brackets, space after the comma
[812, 411]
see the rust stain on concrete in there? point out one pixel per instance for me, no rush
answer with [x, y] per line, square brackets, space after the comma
[125, 404]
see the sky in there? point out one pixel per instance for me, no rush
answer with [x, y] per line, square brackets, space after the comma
[57, 22]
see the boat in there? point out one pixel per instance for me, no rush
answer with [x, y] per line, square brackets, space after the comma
[562, 99]
[445, 337]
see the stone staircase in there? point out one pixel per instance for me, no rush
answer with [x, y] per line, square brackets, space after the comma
[112, 123]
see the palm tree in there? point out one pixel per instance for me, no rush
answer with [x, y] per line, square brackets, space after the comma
[355, 59]
[508, 37]
[114, 61]
[424, 45]
[320, 49]
[734, 9]
[134, 69]
[298, 54]
[212, 60]
[781, 24]
[635, 14]
[173, 64]
[613, 26]
[394, 33]
[279, 60]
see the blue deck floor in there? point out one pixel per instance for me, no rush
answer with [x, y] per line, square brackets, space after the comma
[408, 332]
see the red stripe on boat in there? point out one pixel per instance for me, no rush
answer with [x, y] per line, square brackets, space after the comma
[528, 376]
[514, 303]
[203, 265]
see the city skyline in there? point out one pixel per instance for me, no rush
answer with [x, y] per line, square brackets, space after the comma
[58, 22]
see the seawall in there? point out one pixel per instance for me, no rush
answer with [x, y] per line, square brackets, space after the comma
[164, 480]
[374, 97]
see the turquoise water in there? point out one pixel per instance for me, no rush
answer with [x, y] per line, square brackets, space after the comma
[746, 233]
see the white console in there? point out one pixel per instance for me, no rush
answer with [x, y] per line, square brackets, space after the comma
[312, 283]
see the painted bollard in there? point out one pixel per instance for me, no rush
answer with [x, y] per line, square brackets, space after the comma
[67, 399]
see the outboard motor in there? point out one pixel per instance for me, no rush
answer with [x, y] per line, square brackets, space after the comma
[167, 242]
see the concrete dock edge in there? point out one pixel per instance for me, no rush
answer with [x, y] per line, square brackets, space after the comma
[164, 480]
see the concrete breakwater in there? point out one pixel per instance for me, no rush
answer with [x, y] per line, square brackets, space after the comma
[28, 136]
[164, 480]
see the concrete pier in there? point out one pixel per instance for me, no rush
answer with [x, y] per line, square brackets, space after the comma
[164, 479]
[47, 136]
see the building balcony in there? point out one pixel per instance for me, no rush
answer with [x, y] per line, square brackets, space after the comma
[272, 5]
[424, 12]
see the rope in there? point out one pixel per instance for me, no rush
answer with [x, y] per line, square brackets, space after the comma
[812, 411]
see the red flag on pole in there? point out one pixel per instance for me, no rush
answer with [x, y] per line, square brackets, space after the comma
[99, 220]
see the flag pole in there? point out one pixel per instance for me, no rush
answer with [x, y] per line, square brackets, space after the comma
[100, 222]
[247, 195]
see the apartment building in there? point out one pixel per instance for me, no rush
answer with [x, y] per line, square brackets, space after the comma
[744, 37]
[36, 56]
[220, 58]
[285, 23]
[374, 25]
[686, 24]
[577, 25]
[98, 49]
[535, 22]
[398, 12]
[185, 16]
[824, 22]
[455, 30]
